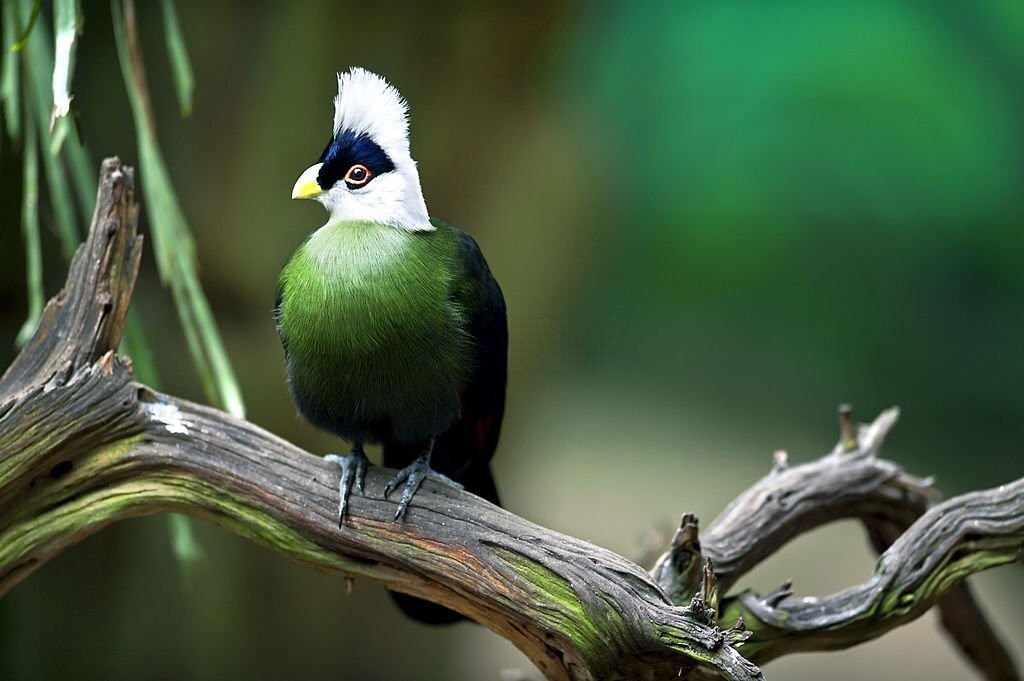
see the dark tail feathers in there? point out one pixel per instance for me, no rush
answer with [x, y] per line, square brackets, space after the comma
[477, 479]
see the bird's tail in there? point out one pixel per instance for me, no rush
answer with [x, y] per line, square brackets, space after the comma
[476, 477]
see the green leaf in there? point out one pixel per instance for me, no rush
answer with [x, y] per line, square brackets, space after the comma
[181, 66]
[172, 239]
[66, 25]
[9, 85]
[186, 549]
[28, 29]
[38, 69]
[83, 174]
[133, 344]
[30, 232]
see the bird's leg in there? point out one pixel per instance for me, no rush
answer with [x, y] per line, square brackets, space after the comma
[413, 476]
[353, 469]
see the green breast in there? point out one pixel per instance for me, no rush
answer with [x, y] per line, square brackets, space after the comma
[371, 333]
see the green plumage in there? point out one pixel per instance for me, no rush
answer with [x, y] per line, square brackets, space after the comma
[374, 324]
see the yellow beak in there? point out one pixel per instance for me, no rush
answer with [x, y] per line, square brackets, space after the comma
[306, 187]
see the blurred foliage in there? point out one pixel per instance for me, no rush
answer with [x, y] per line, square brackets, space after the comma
[713, 221]
[30, 60]
[815, 203]
[172, 238]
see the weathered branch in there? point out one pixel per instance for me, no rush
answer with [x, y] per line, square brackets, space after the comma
[850, 482]
[95, 301]
[82, 444]
[964, 535]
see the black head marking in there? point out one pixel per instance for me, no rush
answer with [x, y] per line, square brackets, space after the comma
[346, 150]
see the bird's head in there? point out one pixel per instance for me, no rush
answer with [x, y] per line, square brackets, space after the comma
[366, 172]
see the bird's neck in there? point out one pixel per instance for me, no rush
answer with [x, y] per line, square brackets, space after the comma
[356, 246]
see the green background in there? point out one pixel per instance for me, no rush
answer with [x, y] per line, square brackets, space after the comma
[712, 221]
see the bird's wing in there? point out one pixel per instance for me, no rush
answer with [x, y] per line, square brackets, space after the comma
[465, 449]
[278, 295]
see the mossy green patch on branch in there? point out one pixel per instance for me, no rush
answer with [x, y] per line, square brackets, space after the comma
[220, 506]
[558, 605]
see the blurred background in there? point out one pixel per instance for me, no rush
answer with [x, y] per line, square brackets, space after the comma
[712, 221]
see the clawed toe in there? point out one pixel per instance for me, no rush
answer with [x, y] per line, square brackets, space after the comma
[413, 476]
[353, 471]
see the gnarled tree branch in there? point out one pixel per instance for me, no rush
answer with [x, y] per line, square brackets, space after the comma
[956, 538]
[82, 444]
[849, 482]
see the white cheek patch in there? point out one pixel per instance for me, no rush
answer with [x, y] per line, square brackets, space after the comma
[392, 198]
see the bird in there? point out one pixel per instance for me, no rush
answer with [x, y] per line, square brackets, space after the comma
[394, 329]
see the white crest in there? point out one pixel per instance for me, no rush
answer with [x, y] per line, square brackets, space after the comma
[368, 104]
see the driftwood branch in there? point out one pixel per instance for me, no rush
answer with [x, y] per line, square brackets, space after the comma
[849, 482]
[82, 444]
[956, 538]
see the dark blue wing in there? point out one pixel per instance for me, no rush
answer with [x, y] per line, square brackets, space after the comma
[465, 450]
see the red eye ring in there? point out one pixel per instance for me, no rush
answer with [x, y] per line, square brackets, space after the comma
[358, 175]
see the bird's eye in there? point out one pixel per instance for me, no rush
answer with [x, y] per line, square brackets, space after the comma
[357, 175]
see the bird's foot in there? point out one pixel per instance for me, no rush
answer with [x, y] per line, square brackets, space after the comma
[413, 476]
[353, 470]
